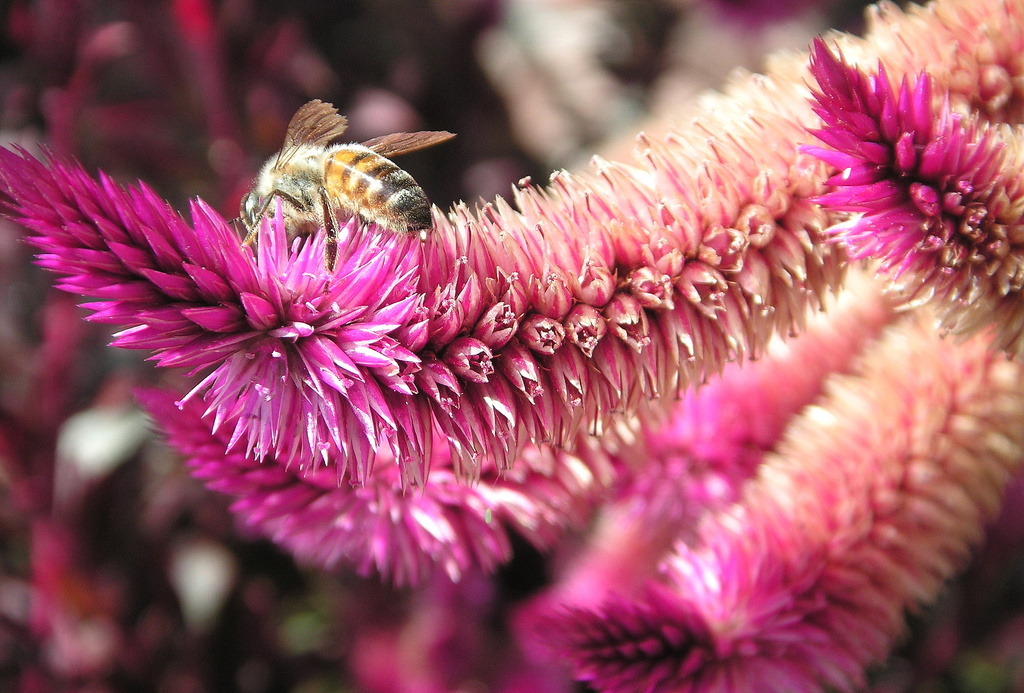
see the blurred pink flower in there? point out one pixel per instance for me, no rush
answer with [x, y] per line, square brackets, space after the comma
[381, 527]
[972, 48]
[676, 470]
[715, 438]
[868, 503]
[937, 196]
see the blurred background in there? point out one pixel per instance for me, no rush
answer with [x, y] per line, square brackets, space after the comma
[118, 572]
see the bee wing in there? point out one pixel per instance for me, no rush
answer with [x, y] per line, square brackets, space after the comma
[405, 142]
[315, 123]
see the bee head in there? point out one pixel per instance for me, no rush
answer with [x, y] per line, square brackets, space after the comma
[250, 210]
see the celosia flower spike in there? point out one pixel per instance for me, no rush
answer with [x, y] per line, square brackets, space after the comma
[678, 469]
[937, 196]
[302, 364]
[870, 502]
[505, 327]
[382, 528]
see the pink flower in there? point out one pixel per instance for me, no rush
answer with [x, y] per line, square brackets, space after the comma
[505, 327]
[715, 438]
[937, 196]
[868, 503]
[381, 527]
[675, 471]
[303, 367]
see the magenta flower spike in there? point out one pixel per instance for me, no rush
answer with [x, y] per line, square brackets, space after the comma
[936, 196]
[871, 500]
[505, 327]
[607, 288]
[676, 470]
[404, 536]
[301, 365]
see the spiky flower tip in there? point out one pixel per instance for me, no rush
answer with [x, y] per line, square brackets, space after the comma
[872, 500]
[306, 366]
[381, 528]
[937, 196]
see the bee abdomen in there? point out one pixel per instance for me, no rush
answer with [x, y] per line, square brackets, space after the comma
[411, 205]
[376, 189]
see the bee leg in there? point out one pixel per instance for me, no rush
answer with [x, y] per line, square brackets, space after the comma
[250, 237]
[331, 228]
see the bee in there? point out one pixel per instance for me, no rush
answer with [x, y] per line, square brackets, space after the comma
[315, 178]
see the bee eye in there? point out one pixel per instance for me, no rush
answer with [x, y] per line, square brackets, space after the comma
[247, 210]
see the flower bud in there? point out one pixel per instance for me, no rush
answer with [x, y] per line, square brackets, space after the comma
[585, 327]
[470, 359]
[496, 326]
[628, 321]
[542, 334]
[651, 288]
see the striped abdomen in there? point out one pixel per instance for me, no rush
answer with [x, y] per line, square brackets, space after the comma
[372, 186]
